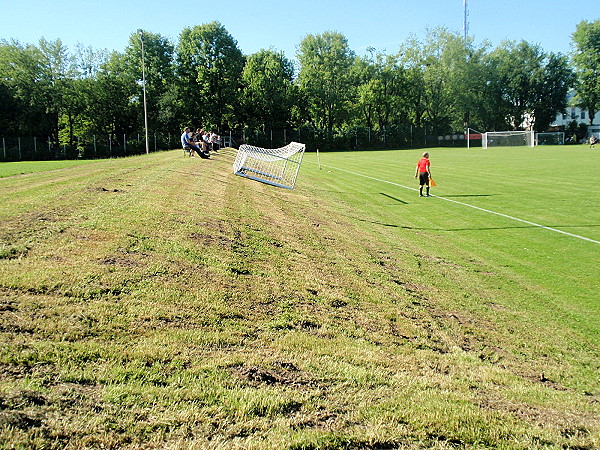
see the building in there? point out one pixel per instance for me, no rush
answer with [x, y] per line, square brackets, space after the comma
[578, 115]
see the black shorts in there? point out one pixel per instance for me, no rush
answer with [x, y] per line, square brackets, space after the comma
[424, 178]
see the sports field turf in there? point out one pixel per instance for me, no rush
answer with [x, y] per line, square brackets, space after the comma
[163, 302]
[8, 169]
[508, 206]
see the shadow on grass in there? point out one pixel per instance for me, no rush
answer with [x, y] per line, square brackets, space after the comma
[394, 198]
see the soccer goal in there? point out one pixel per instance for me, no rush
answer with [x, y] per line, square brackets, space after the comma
[507, 139]
[278, 167]
[550, 138]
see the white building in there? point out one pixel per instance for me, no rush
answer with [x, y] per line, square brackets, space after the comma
[578, 115]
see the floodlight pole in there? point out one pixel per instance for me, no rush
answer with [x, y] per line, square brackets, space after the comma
[144, 89]
[466, 33]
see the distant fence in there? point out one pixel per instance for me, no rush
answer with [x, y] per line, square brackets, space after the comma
[90, 147]
[355, 138]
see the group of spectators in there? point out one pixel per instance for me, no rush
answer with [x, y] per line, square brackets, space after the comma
[200, 143]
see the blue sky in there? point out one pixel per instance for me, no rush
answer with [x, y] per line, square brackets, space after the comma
[281, 25]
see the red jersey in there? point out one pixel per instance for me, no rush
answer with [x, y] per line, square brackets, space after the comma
[423, 165]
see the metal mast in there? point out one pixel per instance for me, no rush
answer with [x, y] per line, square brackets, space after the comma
[144, 88]
[465, 20]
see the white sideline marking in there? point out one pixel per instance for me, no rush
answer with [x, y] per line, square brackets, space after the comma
[472, 206]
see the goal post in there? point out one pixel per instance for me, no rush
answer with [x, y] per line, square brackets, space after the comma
[508, 139]
[277, 167]
[550, 138]
[472, 135]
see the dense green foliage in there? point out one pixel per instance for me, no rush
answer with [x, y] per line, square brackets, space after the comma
[441, 85]
[587, 64]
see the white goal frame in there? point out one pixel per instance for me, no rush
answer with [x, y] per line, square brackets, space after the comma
[507, 139]
[559, 135]
[277, 167]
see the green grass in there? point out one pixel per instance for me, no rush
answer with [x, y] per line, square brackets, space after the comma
[8, 169]
[159, 301]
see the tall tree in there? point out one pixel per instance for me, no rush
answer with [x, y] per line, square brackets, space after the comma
[586, 58]
[269, 92]
[209, 66]
[412, 57]
[532, 84]
[57, 89]
[438, 74]
[387, 89]
[88, 60]
[108, 99]
[557, 79]
[364, 74]
[21, 70]
[460, 65]
[159, 74]
[8, 110]
[325, 78]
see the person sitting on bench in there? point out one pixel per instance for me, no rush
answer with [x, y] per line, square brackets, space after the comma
[188, 144]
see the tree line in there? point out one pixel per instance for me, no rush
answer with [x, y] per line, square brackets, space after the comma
[442, 83]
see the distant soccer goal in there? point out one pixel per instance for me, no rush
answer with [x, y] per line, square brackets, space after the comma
[550, 138]
[507, 139]
[278, 167]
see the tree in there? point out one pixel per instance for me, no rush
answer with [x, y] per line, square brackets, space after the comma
[530, 85]
[159, 75]
[438, 73]
[586, 59]
[89, 61]
[460, 63]
[56, 87]
[108, 99]
[437, 94]
[325, 79]
[269, 92]
[9, 107]
[557, 79]
[412, 58]
[20, 72]
[209, 66]
[364, 73]
[385, 89]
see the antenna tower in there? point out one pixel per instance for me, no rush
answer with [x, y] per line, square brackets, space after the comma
[465, 20]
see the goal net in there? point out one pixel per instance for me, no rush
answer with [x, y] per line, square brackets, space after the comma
[507, 139]
[550, 138]
[278, 167]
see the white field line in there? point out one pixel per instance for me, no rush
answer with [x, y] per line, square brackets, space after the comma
[472, 206]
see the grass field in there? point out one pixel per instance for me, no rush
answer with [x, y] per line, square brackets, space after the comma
[8, 169]
[163, 302]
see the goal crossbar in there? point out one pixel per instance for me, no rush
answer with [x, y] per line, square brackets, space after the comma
[277, 167]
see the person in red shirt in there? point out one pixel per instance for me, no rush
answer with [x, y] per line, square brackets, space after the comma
[423, 172]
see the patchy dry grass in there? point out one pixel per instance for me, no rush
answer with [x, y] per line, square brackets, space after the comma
[162, 302]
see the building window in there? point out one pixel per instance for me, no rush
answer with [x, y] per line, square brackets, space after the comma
[583, 114]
